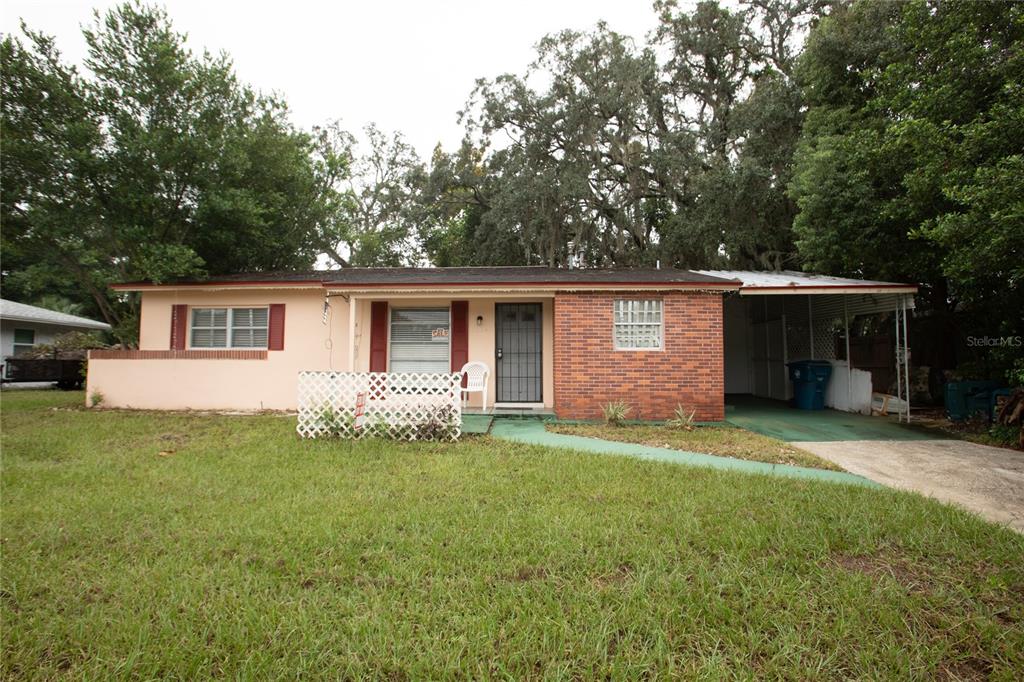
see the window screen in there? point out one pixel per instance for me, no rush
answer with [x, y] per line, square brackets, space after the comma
[248, 327]
[419, 340]
[229, 327]
[24, 340]
[637, 325]
[209, 327]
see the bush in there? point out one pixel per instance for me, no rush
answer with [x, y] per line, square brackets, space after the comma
[68, 346]
[615, 413]
[682, 419]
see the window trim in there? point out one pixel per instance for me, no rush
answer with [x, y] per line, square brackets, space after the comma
[660, 323]
[391, 312]
[229, 329]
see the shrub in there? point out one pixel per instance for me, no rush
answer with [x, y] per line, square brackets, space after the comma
[95, 399]
[615, 413]
[682, 419]
[67, 346]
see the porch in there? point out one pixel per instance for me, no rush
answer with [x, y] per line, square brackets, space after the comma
[511, 334]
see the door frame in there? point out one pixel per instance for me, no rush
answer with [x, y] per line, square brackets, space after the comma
[540, 352]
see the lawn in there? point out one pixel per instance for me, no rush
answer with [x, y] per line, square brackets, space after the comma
[173, 545]
[726, 441]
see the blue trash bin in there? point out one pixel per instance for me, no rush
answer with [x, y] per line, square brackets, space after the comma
[809, 377]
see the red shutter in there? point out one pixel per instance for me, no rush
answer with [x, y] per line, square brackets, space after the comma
[460, 335]
[379, 336]
[275, 332]
[179, 326]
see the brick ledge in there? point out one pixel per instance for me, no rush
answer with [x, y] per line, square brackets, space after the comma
[177, 355]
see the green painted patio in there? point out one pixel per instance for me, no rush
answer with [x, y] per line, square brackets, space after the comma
[777, 419]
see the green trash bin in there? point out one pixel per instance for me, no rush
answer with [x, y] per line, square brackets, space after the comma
[964, 399]
[809, 377]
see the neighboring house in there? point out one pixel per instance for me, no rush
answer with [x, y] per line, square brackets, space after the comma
[25, 326]
[563, 339]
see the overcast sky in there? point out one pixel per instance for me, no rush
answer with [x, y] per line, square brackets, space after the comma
[405, 65]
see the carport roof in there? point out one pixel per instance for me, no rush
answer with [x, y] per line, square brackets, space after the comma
[796, 282]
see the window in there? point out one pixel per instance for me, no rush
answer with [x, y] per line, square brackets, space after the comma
[637, 325]
[229, 328]
[419, 340]
[248, 327]
[24, 339]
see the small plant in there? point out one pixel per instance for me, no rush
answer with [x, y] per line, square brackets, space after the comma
[682, 418]
[95, 399]
[615, 413]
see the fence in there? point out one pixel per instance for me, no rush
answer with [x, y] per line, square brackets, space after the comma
[414, 406]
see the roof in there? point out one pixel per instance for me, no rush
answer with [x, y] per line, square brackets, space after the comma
[11, 310]
[794, 281]
[513, 276]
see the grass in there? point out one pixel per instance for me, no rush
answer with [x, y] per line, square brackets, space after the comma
[172, 545]
[725, 441]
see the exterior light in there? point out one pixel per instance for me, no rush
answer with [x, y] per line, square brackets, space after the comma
[479, 320]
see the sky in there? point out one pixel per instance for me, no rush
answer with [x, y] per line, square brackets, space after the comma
[405, 65]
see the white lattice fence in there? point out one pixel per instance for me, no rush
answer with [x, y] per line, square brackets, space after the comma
[414, 406]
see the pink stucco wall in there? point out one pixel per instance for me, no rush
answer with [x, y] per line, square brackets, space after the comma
[231, 384]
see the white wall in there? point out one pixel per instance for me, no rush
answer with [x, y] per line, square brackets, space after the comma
[738, 348]
[45, 333]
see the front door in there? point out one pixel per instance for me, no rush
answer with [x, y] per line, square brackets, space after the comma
[518, 366]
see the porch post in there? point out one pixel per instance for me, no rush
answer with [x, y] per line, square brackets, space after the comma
[906, 355]
[810, 327]
[352, 334]
[899, 362]
[849, 360]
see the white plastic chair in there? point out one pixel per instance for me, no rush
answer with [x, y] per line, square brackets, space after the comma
[476, 374]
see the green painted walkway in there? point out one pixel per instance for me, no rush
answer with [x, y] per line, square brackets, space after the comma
[532, 431]
[777, 419]
[476, 423]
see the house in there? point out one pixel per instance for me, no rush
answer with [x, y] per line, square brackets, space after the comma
[566, 340]
[24, 326]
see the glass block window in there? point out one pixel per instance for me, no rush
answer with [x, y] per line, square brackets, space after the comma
[229, 327]
[638, 325]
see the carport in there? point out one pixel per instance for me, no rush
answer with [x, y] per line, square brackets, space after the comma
[781, 317]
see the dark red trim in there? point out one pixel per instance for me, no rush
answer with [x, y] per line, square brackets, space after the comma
[137, 286]
[432, 285]
[275, 331]
[378, 336]
[460, 335]
[179, 326]
[534, 285]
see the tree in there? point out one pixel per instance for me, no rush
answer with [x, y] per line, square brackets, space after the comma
[625, 157]
[156, 164]
[910, 163]
[381, 206]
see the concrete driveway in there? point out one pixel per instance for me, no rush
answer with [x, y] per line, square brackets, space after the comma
[984, 479]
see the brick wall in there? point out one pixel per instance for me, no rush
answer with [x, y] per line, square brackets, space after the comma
[688, 370]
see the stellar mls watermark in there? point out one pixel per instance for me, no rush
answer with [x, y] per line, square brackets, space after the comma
[995, 341]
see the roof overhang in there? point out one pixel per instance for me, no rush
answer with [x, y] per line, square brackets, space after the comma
[97, 326]
[214, 286]
[377, 288]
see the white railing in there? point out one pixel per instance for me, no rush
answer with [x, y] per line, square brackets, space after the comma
[401, 406]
